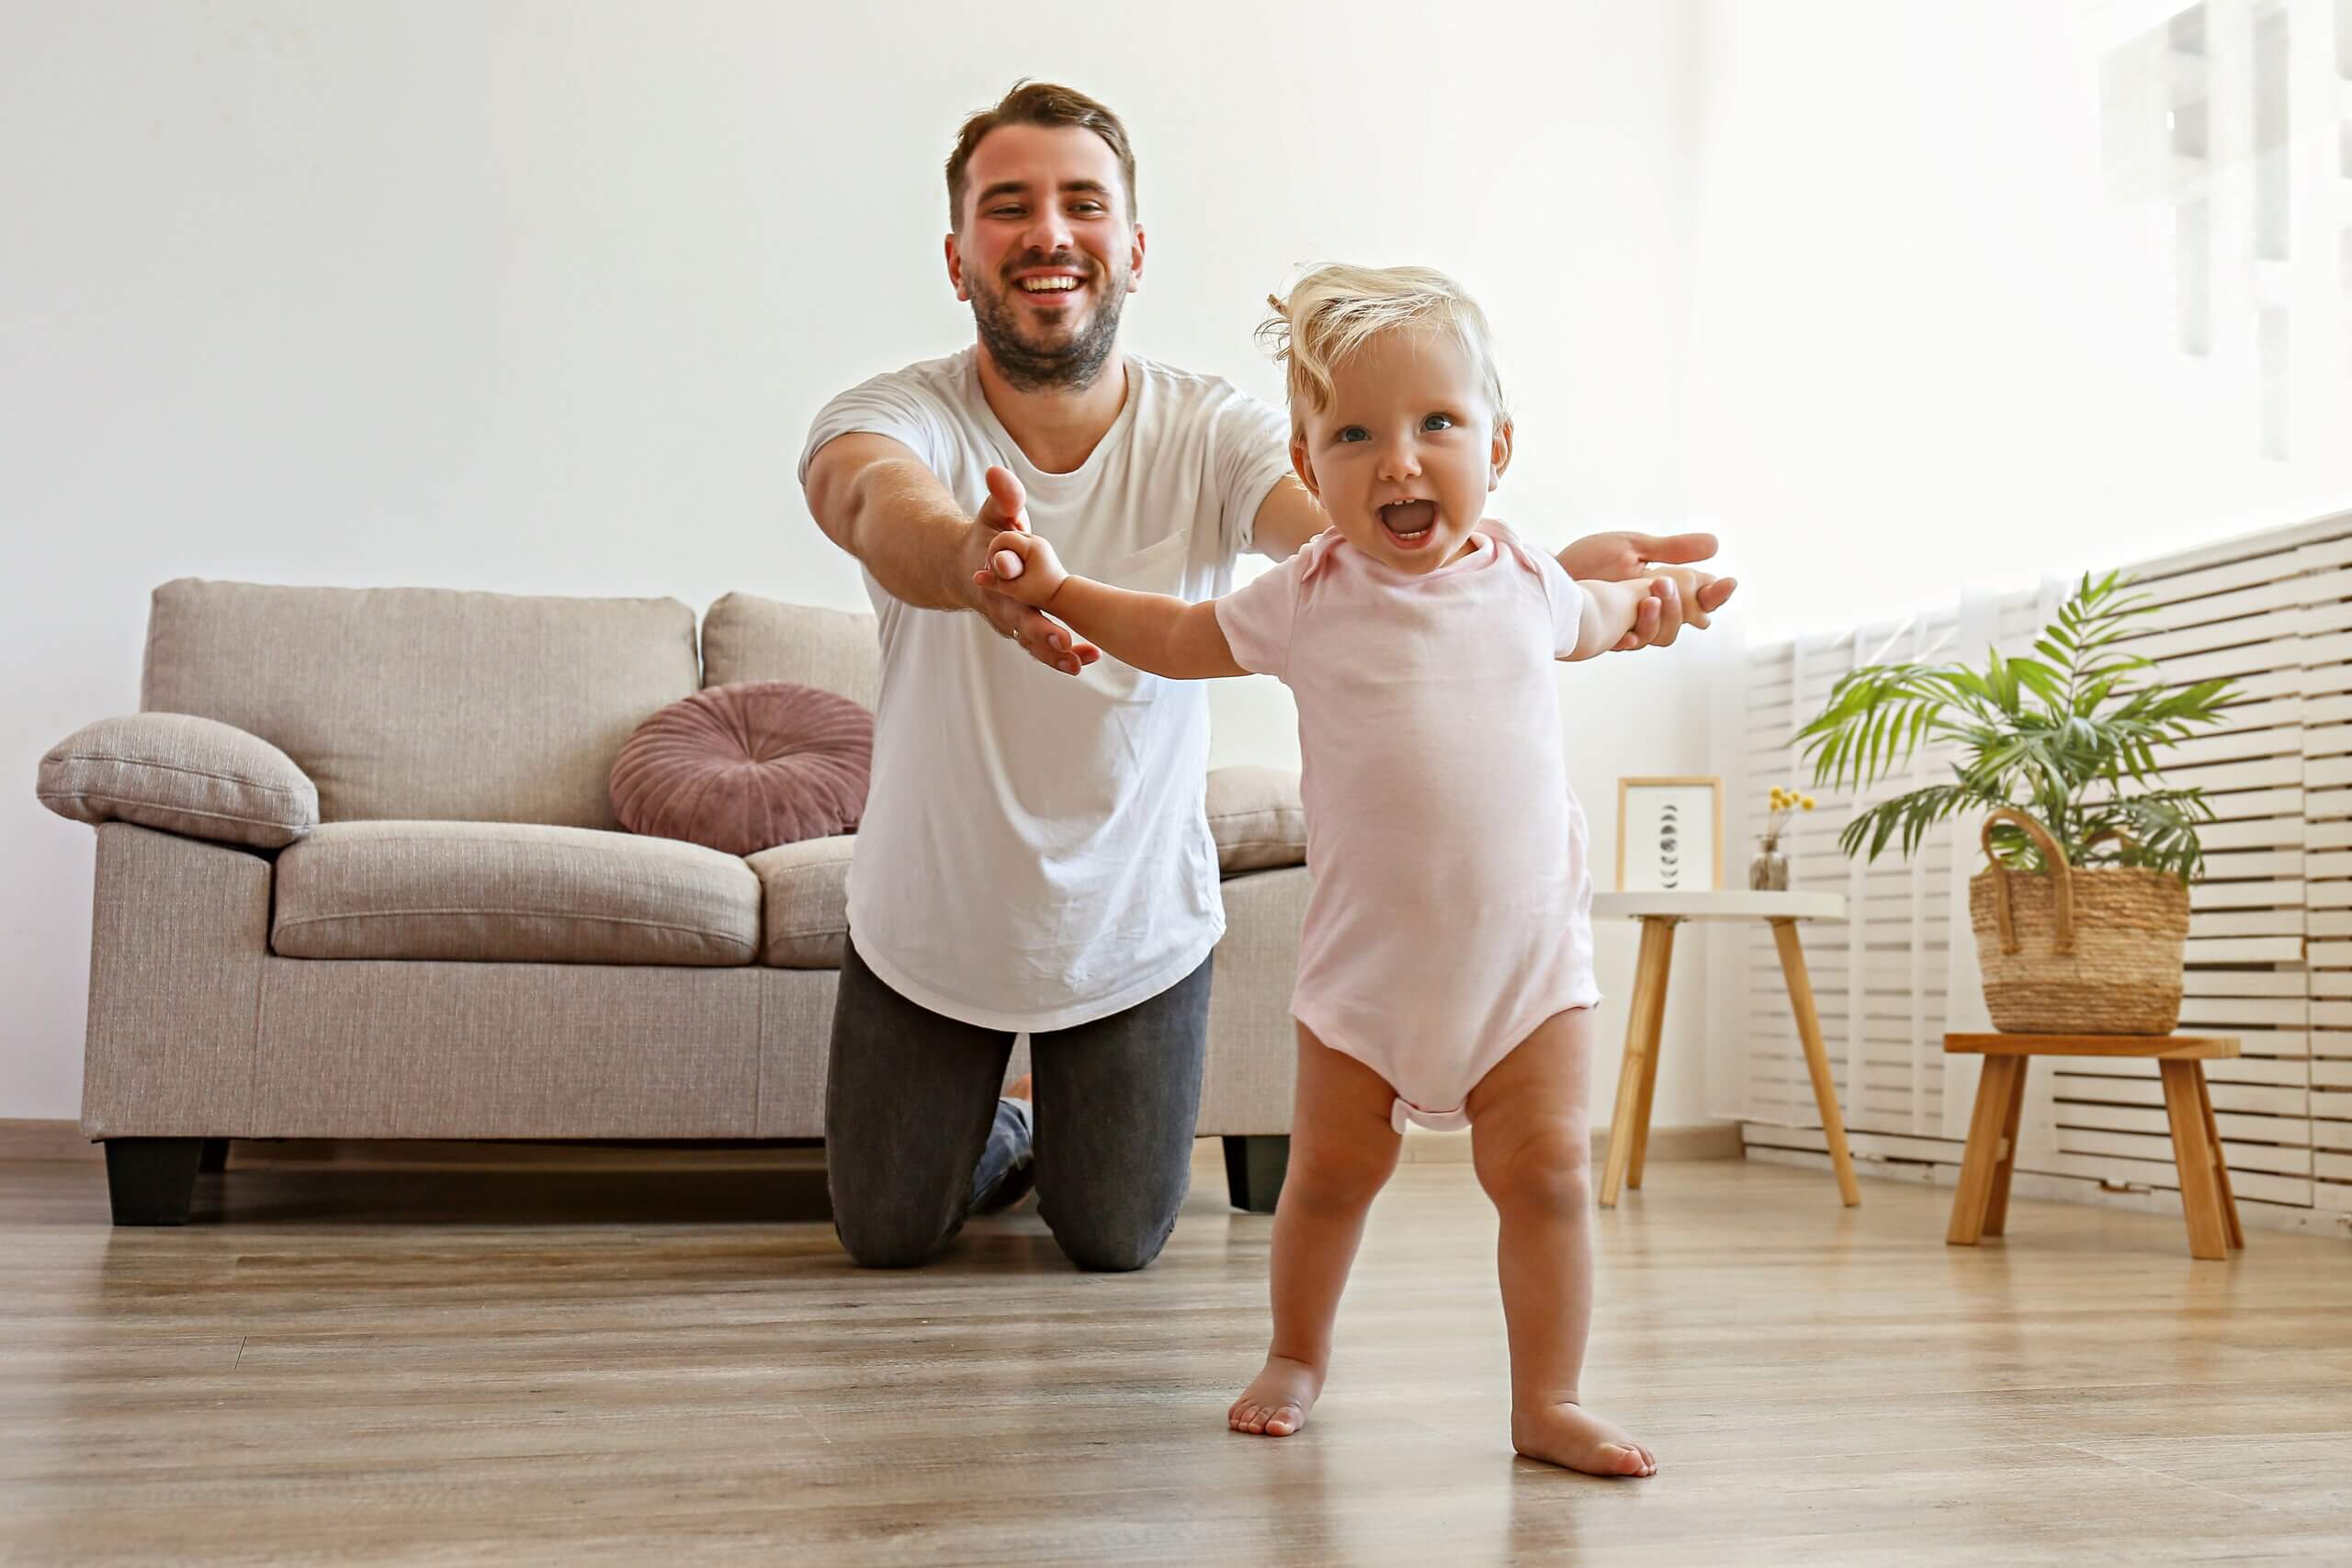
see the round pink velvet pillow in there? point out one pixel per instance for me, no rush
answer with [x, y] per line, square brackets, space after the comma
[746, 767]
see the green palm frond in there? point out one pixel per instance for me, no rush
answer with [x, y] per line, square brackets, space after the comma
[2070, 733]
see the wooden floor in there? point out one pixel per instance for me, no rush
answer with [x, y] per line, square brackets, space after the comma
[341, 1366]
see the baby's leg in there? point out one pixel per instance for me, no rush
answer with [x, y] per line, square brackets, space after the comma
[1342, 1149]
[1534, 1156]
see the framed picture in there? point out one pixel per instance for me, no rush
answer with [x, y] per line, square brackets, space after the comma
[1669, 835]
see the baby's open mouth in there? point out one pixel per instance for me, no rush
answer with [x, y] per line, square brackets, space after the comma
[1408, 522]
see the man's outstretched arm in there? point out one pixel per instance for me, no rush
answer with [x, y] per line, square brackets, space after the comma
[875, 497]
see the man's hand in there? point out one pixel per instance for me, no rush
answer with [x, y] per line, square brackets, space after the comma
[1681, 599]
[1022, 566]
[1043, 639]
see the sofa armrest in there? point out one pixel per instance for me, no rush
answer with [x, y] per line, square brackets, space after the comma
[179, 773]
[179, 941]
[1253, 1044]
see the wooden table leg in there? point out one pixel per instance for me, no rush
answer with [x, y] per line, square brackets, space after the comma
[1979, 1163]
[1817, 1056]
[2200, 1202]
[1997, 1204]
[1644, 1020]
[1650, 1063]
[2220, 1161]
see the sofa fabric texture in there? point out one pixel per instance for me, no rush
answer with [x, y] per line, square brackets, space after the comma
[747, 638]
[512, 893]
[183, 775]
[745, 767]
[1257, 819]
[425, 703]
[804, 892]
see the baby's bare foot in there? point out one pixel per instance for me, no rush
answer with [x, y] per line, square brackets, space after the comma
[1277, 1400]
[1571, 1436]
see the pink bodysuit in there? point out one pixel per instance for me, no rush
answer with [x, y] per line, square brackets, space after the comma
[1450, 912]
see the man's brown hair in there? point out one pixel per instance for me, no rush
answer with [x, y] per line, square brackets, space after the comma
[1038, 103]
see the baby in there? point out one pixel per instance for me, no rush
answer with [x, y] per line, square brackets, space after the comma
[1446, 972]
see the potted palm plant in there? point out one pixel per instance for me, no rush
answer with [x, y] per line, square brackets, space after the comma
[2082, 913]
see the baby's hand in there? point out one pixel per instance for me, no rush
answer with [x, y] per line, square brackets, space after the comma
[1023, 566]
[1685, 583]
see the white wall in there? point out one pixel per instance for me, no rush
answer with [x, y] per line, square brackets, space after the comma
[1924, 352]
[541, 297]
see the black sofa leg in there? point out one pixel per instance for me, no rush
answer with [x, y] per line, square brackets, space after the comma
[215, 1158]
[152, 1180]
[1253, 1170]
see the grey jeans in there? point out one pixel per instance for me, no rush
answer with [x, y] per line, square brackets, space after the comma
[915, 1139]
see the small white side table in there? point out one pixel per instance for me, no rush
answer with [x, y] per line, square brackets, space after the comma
[1629, 1129]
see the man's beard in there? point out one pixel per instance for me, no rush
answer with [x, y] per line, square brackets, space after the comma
[1074, 361]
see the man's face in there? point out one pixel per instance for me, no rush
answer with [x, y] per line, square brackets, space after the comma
[1046, 253]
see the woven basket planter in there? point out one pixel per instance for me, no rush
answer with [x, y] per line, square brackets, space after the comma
[2082, 950]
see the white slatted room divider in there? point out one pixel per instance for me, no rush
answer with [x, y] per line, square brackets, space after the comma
[2271, 932]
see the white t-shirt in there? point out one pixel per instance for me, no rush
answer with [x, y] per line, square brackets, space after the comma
[1034, 852]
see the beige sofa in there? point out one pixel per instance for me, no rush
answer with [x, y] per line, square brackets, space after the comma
[374, 888]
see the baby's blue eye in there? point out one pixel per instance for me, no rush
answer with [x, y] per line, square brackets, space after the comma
[1355, 433]
[1438, 421]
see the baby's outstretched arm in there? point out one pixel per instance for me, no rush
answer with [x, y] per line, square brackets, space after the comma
[1612, 608]
[1154, 632]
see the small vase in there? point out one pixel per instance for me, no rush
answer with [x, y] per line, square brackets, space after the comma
[1768, 872]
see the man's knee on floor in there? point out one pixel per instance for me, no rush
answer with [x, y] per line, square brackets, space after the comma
[1547, 1170]
[1107, 1244]
[875, 1241]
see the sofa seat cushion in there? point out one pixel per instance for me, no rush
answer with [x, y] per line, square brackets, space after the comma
[805, 891]
[512, 893]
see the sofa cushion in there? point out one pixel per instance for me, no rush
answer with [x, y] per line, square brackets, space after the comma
[804, 890]
[180, 775]
[1255, 815]
[514, 893]
[422, 703]
[1257, 819]
[746, 767]
[746, 637]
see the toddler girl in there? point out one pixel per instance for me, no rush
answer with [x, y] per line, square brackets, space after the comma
[1445, 971]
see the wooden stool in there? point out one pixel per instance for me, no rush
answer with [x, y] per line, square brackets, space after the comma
[1981, 1207]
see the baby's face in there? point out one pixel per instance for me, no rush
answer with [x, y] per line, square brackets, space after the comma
[1405, 454]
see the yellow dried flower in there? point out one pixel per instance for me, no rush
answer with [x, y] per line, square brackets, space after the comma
[1808, 803]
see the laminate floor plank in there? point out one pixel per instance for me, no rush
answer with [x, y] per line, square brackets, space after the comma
[525, 1366]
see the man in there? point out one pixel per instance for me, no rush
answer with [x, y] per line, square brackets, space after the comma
[1036, 856]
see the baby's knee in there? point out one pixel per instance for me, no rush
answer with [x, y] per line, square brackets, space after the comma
[1337, 1177]
[1550, 1171]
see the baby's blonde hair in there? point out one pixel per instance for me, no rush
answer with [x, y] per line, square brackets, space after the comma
[1337, 308]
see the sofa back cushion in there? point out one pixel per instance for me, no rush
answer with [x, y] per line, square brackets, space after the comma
[746, 637]
[425, 704]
